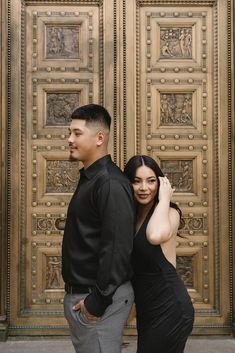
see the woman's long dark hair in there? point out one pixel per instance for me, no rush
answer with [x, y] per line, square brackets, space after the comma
[142, 160]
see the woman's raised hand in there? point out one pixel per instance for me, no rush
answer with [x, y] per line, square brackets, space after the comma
[165, 189]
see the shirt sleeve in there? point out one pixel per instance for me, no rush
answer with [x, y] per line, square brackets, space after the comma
[115, 206]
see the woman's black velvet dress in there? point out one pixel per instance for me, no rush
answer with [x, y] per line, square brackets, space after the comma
[164, 309]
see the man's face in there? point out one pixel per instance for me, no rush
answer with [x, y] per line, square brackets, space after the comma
[82, 141]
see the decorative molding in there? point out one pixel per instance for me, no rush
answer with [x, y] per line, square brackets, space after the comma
[215, 132]
[115, 80]
[138, 105]
[124, 45]
[231, 115]
[23, 160]
[176, 2]
[4, 236]
[101, 53]
[9, 156]
[63, 2]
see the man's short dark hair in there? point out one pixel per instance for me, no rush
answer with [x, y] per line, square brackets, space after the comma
[93, 113]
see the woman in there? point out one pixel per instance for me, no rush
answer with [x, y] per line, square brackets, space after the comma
[164, 310]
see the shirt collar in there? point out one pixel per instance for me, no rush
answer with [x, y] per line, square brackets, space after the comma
[95, 167]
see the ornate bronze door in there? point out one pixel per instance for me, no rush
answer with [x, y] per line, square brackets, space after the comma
[62, 55]
[182, 110]
[162, 70]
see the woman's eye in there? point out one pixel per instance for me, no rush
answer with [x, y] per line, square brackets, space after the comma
[151, 181]
[136, 182]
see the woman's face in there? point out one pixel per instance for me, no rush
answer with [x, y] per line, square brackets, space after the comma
[145, 185]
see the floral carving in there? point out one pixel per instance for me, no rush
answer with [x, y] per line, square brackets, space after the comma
[43, 224]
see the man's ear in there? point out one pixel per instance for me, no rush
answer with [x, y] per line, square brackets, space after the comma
[100, 138]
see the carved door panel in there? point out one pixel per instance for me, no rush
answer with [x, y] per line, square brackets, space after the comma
[181, 111]
[57, 63]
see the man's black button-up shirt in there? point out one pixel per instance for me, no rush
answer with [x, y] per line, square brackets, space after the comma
[98, 235]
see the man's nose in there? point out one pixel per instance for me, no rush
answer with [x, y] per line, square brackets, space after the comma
[70, 139]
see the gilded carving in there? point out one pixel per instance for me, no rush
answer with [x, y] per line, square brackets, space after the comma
[62, 42]
[176, 43]
[196, 224]
[180, 173]
[62, 176]
[176, 109]
[53, 274]
[44, 224]
[60, 223]
[185, 270]
[60, 106]
[48, 225]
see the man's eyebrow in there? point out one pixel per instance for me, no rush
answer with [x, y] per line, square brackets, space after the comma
[75, 130]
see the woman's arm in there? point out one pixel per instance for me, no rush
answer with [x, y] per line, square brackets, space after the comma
[164, 221]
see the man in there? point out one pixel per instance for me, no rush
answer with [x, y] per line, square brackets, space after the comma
[97, 240]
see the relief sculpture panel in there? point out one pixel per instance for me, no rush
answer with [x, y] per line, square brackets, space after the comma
[60, 105]
[180, 173]
[53, 274]
[176, 42]
[62, 176]
[176, 109]
[62, 42]
[185, 269]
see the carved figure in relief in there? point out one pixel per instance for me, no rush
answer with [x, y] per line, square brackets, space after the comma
[98, 238]
[182, 42]
[186, 179]
[159, 292]
[188, 43]
[52, 43]
[53, 272]
[167, 108]
[165, 50]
